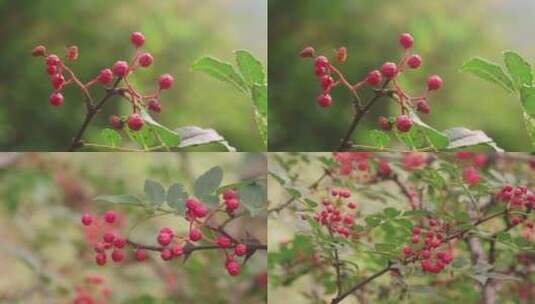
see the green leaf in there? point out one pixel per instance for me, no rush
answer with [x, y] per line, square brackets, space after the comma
[144, 137]
[527, 96]
[253, 197]
[518, 68]
[463, 137]
[250, 67]
[127, 199]
[111, 137]
[260, 95]
[220, 70]
[488, 71]
[176, 197]
[194, 136]
[422, 136]
[160, 133]
[378, 138]
[372, 220]
[154, 192]
[530, 127]
[391, 212]
[206, 185]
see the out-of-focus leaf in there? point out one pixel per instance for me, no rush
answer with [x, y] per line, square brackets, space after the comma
[195, 136]
[154, 192]
[488, 71]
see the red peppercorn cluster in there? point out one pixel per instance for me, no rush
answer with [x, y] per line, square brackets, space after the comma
[360, 161]
[330, 77]
[92, 291]
[61, 75]
[337, 215]
[518, 199]
[173, 245]
[427, 247]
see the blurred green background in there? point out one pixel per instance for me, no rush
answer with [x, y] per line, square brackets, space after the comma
[447, 33]
[44, 254]
[177, 32]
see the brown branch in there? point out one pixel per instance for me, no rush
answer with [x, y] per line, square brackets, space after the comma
[357, 117]
[90, 114]
[187, 250]
[361, 284]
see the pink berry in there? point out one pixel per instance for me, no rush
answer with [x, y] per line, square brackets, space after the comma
[100, 259]
[223, 242]
[72, 53]
[415, 239]
[231, 194]
[374, 78]
[164, 239]
[166, 81]
[155, 106]
[120, 69]
[137, 39]
[403, 123]
[321, 61]
[166, 254]
[416, 230]
[55, 99]
[110, 216]
[140, 254]
[384, 123]
[51, 70]
[389, 70]
[108, 237]
[177, 250]
[406, 40]
[233, 268]
[145, 60]
[39, 51]
[117, 256]
[406, 250]
[195, 235]
[240, 250]
[52, 60]
[116, 122]
[119, 243]
[307, 52]
[87, 219]
[324, 100]
[57, 81]
[434, 83]
[192, 203]
[326, 82]
[105, 76]
[471, 176]
[414, 61]
[135, 122]
[232, 204]
[422, 106]
[200, 211]
[352, 206]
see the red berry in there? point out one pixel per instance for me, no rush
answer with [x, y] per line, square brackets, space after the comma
[57, 81]
[116, 122]
[416, 230]
[341, 55]
[414, 61]
[307, 52]
[166, 81]
[117, 256]
[100, 259]
[164, 239]
[232, 204]
[177, 250]
[195, 235]
[137, 39]
[321, 61]
[324, 100]
[135, 122]
[140, 254]
[87, 219]
[110, 216]
[51, 70]
[39, 51]
[120, 69]
[406, 250]
[374, 78]
[231, 194]
[52, 60]
[200, 211]
[326, 82]
[434, 83]
[320, 70]
[119, 243]
[72, 53]
[108, 237]
[471, 176]
[105, 76]
[403, 123]
[352, 206]
[240, 250]
[166, 254]
[389, 70]
[233, 268]
[384, 168]
[422, 106]
[192, 203]
[55, 99]
[415, 239]
[406, 40]
[224, 242]
[145, 60]
[384, 123]
[154, 105]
